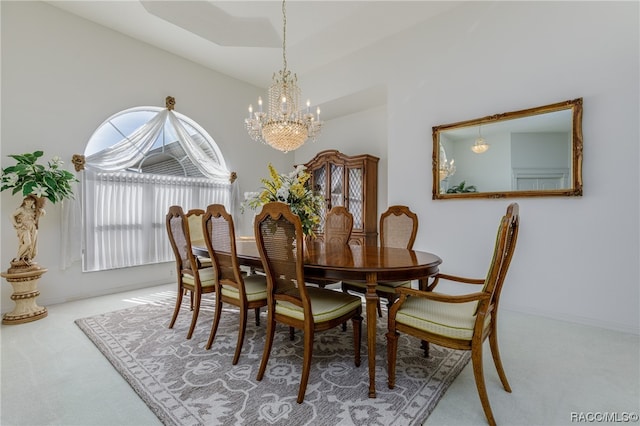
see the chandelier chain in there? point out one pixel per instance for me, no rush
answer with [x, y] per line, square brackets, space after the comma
[284, 36]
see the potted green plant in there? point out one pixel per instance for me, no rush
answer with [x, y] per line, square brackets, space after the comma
[462, 187]
[35, 183]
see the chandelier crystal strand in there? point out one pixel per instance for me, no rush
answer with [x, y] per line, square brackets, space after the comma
[285, 126]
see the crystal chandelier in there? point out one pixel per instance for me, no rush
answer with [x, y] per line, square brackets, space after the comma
[480, 145]
[284, 126]
[446, 169]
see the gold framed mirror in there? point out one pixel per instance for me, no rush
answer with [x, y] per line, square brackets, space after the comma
[536, 152]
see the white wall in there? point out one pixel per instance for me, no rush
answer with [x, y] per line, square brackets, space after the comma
[61, 77]
[577, 258]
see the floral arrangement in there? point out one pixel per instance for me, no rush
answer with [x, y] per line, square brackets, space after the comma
[31, 178]
[289, 188]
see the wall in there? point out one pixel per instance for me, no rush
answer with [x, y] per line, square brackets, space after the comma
[577, 258]
[61, 77]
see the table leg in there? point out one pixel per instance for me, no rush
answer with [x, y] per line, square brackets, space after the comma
[372, 317]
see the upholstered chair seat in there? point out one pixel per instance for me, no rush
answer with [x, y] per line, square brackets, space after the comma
[254, 286]
[206, 277]
[325, 305]
[455, 320]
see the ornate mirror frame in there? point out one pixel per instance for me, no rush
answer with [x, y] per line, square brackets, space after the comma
[572, 177]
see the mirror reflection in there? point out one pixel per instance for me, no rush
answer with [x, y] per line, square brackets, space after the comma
[533, 152]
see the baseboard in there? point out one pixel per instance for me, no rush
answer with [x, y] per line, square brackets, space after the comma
[575, 319]
[113, 290]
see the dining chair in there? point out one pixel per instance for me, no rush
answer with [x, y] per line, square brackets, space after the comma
[398, 229]
[338, 226]
[461, 322]
[194, 217]
[192, 277]
[245, 292]
[337, 230]
[289, 301]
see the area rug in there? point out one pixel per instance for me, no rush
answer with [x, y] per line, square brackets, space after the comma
[185, 384]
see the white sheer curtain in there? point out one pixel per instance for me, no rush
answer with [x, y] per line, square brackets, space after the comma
[123, 212]
[125, 216]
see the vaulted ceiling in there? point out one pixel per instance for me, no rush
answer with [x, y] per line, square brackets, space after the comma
[243, 39]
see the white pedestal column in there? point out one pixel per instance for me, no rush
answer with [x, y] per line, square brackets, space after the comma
[25, 290]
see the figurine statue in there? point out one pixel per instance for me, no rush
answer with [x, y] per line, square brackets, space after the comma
[25, 221]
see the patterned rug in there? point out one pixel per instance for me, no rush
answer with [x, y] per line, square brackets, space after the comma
[184, 384]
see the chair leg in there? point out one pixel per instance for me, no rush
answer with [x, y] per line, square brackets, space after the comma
[271, 328]
[216, 322]
[191, 300]
[495, 353]
[176, 309]
[379, 309]
[194, 317]
[257, 311]
[425, 347]
[357, 338]
[392, 349]
[476, 359]
[306, 364]
[344, 290]
[292, 333]
[241, 330]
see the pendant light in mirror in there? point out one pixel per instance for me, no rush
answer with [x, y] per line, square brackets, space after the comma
[480, 145]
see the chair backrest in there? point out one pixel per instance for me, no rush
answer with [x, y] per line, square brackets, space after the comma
[194, 217]
[180, 238]
[279, 239]
[398, 227]
[338, 226]
[220, 238]
[503, 252]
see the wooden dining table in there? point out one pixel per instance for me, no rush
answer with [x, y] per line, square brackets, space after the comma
[368, 264]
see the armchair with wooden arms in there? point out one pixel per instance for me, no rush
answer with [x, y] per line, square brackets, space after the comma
[460, 322]
[245, 292]
[192, 276]
[312, 309]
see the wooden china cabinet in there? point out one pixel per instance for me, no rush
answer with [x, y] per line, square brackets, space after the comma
[352, 182]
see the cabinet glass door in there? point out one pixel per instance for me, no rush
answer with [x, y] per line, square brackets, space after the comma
[355, 196]
[336, 194]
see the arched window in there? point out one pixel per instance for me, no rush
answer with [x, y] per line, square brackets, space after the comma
[138, 163]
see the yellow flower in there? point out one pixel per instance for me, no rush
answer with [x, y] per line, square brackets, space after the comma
[264, 197]
[297, 190]
[304, 177]
[275, 177]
